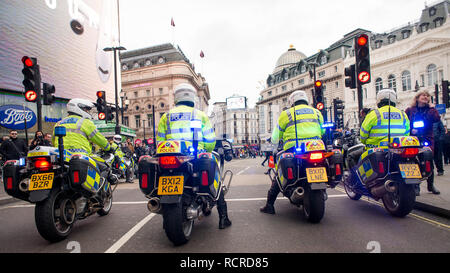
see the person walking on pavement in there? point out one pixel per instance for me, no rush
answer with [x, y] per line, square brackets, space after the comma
[421, 110]
[14, 148]
[439, 135]
[308, 121]
[447, 146]
[175, 125]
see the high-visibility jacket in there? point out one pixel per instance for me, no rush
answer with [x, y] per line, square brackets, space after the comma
[308, 121]
[79, 131]
[374, 129]
[176, 125]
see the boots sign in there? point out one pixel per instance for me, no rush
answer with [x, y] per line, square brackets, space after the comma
[13, 117]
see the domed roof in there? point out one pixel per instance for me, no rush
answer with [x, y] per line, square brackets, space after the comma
[288, 58]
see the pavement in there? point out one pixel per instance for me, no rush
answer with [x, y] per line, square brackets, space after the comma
[428, 202]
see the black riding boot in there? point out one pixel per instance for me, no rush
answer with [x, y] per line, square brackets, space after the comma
[271, 197]
[430, 184]
[224, 221]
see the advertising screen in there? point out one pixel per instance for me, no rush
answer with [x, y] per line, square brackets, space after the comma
[236, 103]
[67, 37]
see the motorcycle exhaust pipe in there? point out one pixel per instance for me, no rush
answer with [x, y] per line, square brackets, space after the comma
[23, 185]
[390, 186]
[297, 195]
[192, 213]
[154, 205]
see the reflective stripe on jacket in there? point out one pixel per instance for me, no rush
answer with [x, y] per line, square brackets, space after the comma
[79, 131]
[176, 125]
[374, 130]
[308, 122]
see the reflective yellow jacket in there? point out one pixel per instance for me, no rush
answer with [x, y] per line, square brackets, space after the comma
[374, 129]
[176, 125]
[309, 125]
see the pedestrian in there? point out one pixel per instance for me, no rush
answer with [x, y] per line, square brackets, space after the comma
[267, 154]
[439, 135]
[14, 148]
[447, 146]
[130, 145]
[48, 137]
[422, 110]
[39, 140]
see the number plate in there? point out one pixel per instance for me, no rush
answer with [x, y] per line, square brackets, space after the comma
[410, 170]
[41, 181]
[170, 185]
[316, 175]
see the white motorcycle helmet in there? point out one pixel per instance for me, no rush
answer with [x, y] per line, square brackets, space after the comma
[184, 92]
[117, 139]
[387, 94]
[297, 96]
[80, 107]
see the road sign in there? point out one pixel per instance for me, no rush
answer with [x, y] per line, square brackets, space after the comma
[441, 108]
[30, 95]
[364, 77]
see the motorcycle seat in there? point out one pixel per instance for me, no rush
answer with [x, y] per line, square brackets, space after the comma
[356, 147]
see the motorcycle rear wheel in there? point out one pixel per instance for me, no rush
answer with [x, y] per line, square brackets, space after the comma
[401, 202]
[49, 219]
[350, 193]
[314, 205]
[177, 227]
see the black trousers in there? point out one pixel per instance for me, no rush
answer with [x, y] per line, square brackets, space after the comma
[446, 147]
[222, 206]
[438, 154]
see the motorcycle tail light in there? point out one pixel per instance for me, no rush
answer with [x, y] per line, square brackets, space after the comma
[169, 162]
[290, 173]
[76, 177]
[338, 169]
[144, 183]
[410, 152]
[9, 183]
[316, 157]
[381, 167]
[43, 164]
[204, 178]
[428, 166]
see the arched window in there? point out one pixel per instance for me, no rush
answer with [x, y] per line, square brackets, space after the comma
[406, 80]
[432, 74]
[323, 59]
[392, 83]
[378, 84]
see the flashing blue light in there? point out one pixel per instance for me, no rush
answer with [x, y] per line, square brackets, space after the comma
[22, 161]
[191, 149]
[426, 143]
[60, 131]
[328, 125]
[298, 150]
[418, 124]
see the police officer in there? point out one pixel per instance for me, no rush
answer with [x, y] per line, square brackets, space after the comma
[80, 130]
[309, 126]
[120, 151]
[374, 129]
[175, 125]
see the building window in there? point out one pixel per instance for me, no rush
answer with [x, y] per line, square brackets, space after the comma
[378, 43]
[149, 106]
[438, 22]
[135, 94]
[301, 81]
[283, 88]
[161, 91]
[323, 59]
[125, 121]
[137, 118]
[147, 92]
[136, 65]
[303, 69]
[378, 84]
[354, 95]
[422, 80]
[337, 84]
[392, 83]
[321, 74]
[391, 39]
[149, 120]
[406, 80]
[432, 11]
[432, 74]
[424, 27]
[137, 108]
[405, 34]
[269, 93]
[161, 105]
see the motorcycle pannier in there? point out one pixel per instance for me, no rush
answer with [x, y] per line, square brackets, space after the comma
[288, 166]
[372, 167]
[11, 180]
[84, 174]
[208, 165]
[336, 159]
[147, 172]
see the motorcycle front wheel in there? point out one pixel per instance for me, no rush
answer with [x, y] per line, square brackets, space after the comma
[55, 216]
[177, 227]
[401, 202]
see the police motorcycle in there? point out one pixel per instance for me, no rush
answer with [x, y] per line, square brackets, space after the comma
[183, 184]
[304, 172]
[64, 186]
[390, 174]
[123, 167]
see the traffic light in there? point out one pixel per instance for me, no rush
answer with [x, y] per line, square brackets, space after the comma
[446, 93]
[362, 59]
[109, 113]
[48, 90]
[349, 72]
[318, 94]
[32, 79]
[101, 105]
[338, 112]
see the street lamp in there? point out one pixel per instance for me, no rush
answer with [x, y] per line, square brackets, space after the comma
[123, 108]
[115, 49]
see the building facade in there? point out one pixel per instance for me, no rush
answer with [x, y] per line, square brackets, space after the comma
[149, 76]
[408, 59]
[238, 125]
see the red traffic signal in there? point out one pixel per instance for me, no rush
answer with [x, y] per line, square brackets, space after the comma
[320, 106]
[362, 40]
[101, 116]
[318, 83]
[101, 94]
[30, 96]
[28, 62]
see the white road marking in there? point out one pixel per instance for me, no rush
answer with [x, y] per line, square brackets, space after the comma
[243, 170]
[129, 234]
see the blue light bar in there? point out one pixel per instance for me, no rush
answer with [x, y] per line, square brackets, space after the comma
[328, 125]
[60, 131]
[418, 124]
[426, 143]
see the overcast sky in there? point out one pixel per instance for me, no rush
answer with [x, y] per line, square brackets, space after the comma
[242, 39]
